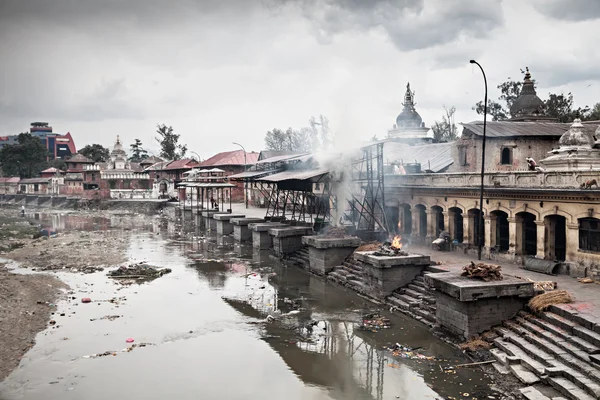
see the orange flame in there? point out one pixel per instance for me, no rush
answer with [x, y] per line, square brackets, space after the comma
[396, 244]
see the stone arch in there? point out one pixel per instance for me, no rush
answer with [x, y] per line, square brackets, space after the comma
[506, 210]
[530, 210]
[420, 218]
[582, 215]
[560, 212]
[405, 223]
[499, 230]
[555, 236]
[526, 233]
[456, 223]
[475, 220]
[437, 220]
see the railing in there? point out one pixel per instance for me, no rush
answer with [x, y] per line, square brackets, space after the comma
[518, 179]
[123, 175]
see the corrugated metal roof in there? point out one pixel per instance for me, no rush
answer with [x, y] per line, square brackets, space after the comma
[252, 174]
[35, 180]
[435, 157]
[299, 175]
[521, 128]
[159, 166]
[282, 157]
[235, 157]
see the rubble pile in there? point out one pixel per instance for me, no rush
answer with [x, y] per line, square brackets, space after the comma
[139, 271]
[387, 250]
[485, 272]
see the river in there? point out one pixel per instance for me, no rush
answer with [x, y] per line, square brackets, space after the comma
[207, 338]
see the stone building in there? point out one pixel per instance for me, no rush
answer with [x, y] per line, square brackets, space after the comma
[545, 214]
[409, 127]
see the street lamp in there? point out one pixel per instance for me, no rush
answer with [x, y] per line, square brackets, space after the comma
[193, 152]
[480, 233]
[245, 168]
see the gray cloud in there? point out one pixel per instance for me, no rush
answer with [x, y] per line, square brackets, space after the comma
[569, 10]
[409, 24]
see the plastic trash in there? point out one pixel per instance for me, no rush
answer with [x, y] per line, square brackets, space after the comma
[129, 340]
[86, 300]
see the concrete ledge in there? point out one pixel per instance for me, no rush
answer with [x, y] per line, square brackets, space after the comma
[227, 217]
[467, 289]
[264, 226]
[246, 221]
[386, 262]
[321, 242]
[290, 231]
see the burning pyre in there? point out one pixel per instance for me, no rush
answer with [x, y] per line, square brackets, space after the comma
[391, 248]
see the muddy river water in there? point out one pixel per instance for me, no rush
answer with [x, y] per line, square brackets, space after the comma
[207, 338]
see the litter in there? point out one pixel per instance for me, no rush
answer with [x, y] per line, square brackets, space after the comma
[115, 352]
[400, 351]
[139, 271]
[129, 340]
[86, 300]
[374, 322]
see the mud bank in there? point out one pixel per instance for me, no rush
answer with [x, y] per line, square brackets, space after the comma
[26, 305]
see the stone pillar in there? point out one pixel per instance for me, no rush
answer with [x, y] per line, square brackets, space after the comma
[468, 229]
[512, 236]
[519, 236]
[416, 218]
[431, 215]
[489, 223]
[572, 241]
[447, 219]
[541, 239]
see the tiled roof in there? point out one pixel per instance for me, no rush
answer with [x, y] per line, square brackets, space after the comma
[80, 159]
[51, 170]
[10, 180]
[435, 157]
[136, 167]
[151, 160]
[185, 163]
[235, 157]
[496, 129]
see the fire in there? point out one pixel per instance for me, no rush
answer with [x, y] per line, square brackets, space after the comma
[396, 244]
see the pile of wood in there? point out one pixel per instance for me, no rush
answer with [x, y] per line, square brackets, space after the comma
[542, 301]
[485, 272]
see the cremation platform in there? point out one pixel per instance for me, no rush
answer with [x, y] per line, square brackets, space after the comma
[224, 225]
[241, 232]
[468, 306]
[260, 234]
[288, 239]
[326, 253]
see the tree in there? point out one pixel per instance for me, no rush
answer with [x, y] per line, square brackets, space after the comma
[316, 136]
[446, 130]
[509, 91]
[138, 153]
[95, 152]
[594, 113]
[58, 163]
[168, 140]
[26, 159]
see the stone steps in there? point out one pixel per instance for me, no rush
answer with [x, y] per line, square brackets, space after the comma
[558, 350]
[418, 289]
[415, 299]
[412, 293]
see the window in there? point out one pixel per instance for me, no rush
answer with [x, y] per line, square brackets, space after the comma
[589, 234]
[317, 186]
[462, 155]
[506, 157]
[93, 177]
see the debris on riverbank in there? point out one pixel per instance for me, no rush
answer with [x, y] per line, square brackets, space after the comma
[26, 303]
[374, 322]
[137, 272]
[115, 352]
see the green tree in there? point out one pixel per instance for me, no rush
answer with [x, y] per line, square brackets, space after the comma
[95, 152]
[138, 153]
[594, 113]
[58, 163]
[316, 136]
[509, 91]
[168, 140]
[446, 130]
[26, 158]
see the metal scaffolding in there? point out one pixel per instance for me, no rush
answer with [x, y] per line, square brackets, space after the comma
[367, 199]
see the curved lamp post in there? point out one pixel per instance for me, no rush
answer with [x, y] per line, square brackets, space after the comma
[480, 233]
[196, 154]
[245, 168]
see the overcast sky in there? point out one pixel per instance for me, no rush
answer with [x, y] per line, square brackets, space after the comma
[220, 71]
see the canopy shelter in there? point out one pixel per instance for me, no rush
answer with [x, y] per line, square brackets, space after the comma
[206, 195]
[298, 196]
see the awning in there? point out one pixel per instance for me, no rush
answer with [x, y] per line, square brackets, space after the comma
[252, 174]
[280, 158]
[206, 185]
[312, 175]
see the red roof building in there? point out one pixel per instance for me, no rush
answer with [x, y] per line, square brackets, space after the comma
[232, 162]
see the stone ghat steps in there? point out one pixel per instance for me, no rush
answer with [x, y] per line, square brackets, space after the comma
[416, 300]
[350, 273]
[554, 349]
[299, 258]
